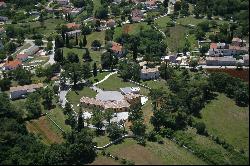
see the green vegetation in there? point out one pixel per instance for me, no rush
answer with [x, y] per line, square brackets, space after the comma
[114, 83]
[74, 96]
[223, 118]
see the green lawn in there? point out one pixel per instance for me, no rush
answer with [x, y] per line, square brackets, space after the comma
[99, 76]
[25, 46]
[130, 28]
[74, 96]
[194, 21]
[114, 83]
[225, 119]
[177, 38]
[153, 153]
[57, 115]
[50, 26]
[162, 22]
[155, 84]
[95, 36]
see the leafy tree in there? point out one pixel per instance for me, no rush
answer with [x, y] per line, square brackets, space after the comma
[108, 115]
[84, 41]
[73, 71]
[101, 13]
[5, 84]
[94, 69]
[38, 42]
[201, 128]
[59, 55]
[96, 43]
[22, 76]
[81, 44]
[97, 120]
[49, 46]
[86, 71]
[33, 106]
[48, 95]
[80, 124]
[138, 128]
[242, 97]
[72, 57]
[204, 49]
[67, 110]
[114, 131]
[86, 55]
[193, 63]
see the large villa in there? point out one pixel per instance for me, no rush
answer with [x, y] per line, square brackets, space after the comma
[114, 100]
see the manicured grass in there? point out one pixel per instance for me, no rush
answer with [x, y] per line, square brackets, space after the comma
[74, 96]
[205, 143]
[95, 55]
[194, 21]
[162, 22]
[101, 140]
[50, 26]
[95, 36]
[153, 153]
[225, 119]
[130, 28]
[171, 154]
[99, 76]
[102, 160]
[57, 115]
[97, 4]
[42, 127]
[177, 38]
[114, 83]
[155, 84]
[25, 46]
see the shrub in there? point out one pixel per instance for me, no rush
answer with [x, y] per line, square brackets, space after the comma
[152, 136]
[103, 153]
[201, 128]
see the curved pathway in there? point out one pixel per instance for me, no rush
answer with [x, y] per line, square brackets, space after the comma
[115, 141]
[105, 78]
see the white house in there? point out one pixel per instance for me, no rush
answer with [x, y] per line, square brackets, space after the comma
[221, 61]
[21, 91]
[149, 73]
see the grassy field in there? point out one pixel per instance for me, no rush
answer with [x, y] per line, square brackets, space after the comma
[58, 116]
[50, 26]
[99, 76]
[43, 128]
[130, 29]
[75, 96]
[177, 38]
[228, 121]
[162, 22]
[114, 83]
[153, 153]
[195, 21]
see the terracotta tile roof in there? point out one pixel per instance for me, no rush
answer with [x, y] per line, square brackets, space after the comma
[213, 45]
[21, 56]
[73, 25]
[13, 64]
[116, 47]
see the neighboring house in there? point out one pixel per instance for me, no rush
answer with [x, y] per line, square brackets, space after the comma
[150, 73]
[246, 60]
[221, 61]
[111, 23]
[118, 49]
[73, 26]
[62, 2]
[2, 30]
[2, 5]
[73, 33]
[238, 42]
[22, 57]
[137, 15]
[31, 50]
[221, 49]
[3, 19]
[75, 11]
[12, 65]
[170, 58]
[128, 90]
[22, 91]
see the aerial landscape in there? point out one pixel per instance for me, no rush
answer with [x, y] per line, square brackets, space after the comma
[124, 82]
